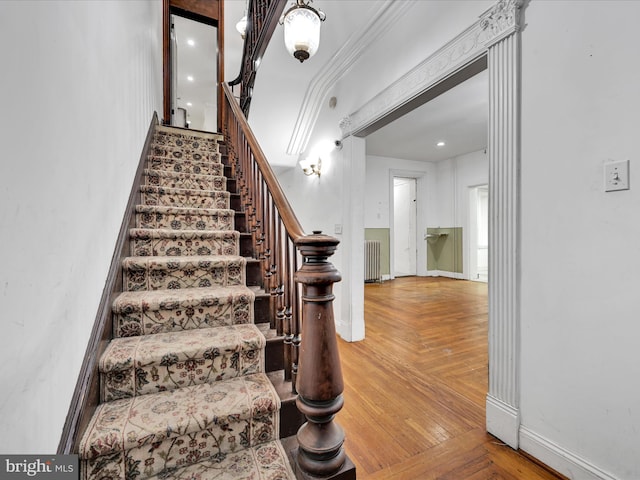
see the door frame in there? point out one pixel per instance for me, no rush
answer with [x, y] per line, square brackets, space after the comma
[472, 228]
[210, 12]
[392, 217]
[492, 43]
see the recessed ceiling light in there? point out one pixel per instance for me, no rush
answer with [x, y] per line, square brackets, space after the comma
[191, 42]
[440, 144]
[189, 104]
[190, 78]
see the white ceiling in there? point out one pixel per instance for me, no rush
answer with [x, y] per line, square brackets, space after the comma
[458, 117]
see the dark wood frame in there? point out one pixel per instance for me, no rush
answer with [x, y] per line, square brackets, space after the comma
[86, 395]
[210, 12]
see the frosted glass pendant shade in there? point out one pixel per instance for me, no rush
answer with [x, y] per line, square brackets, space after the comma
[302, 30]
[241, 26]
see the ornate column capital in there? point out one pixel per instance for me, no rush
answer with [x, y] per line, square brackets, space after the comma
[345, 125]
[501, 20]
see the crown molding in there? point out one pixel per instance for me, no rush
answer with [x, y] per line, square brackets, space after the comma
[497, 23]
[381, 22]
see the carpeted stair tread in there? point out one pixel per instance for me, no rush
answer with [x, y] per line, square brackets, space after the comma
[160, 273]
[147, 364]
[180, 153]
[142, 436]
[131, 422]
[180, 218]
[184, 166]
[194, 181]
[183, 391]
[264, 462]
[184, 197]
[147, 312]
[185, 142]
[156, 241]
[183, 133]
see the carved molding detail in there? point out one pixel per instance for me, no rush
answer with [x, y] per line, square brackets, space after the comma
[501, 20]
[345, 123]
[498, 22]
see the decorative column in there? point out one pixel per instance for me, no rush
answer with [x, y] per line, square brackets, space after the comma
[319, 382]
[501, 25]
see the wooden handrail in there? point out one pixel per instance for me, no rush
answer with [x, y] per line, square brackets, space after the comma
[280, 199]
[263, 17]
[301, 298]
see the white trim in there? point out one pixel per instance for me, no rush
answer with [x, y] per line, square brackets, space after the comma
[497, 23]
[444, 273]
[421, 226]
[497, 35]
[503, 421]
[332, 71]
[560, 459]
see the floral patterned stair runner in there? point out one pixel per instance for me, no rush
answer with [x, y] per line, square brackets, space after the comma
[155, 242]
[138, 437]
[267, 461]
[174, 218]
[183, 385]
[134, 366]
[147, 312]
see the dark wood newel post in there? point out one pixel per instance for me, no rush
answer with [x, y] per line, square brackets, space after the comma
[319, 381]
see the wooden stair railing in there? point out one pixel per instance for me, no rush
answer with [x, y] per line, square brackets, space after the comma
[305, 316]
[263, 17]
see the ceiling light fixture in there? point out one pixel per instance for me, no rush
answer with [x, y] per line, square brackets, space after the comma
[440, 144]
[189, 104]
[302, 29]
[190, 42]
[190, 78]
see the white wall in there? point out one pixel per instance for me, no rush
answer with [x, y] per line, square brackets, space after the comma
[443, 194]
[455, 177]
[336, 198]
[80, 82]
[379, 191]
[580, 324]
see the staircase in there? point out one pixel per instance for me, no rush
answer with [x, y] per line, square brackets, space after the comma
[188, 383]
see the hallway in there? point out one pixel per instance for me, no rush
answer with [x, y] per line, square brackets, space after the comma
[415, 387]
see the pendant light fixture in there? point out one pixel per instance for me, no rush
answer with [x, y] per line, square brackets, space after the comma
[242, 24]
[302, 29]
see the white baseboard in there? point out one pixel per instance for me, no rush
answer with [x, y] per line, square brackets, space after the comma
[443, 273]
[386, 277]
[561, 460]
[503, 421]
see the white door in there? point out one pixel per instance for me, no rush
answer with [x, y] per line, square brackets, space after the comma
[479, 234]
[404, 226]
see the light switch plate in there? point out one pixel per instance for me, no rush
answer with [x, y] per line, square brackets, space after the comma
[616, 176]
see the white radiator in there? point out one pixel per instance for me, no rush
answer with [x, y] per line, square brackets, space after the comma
[372, 261]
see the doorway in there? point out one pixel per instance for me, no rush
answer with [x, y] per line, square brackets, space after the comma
[479, 233]
[404, 227]
[193, 74]
[190, 53]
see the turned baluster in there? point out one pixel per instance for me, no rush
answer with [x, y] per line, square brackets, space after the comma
[288, 348]
[319, 380]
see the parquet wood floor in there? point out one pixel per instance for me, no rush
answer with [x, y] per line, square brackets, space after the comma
[415, 387]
